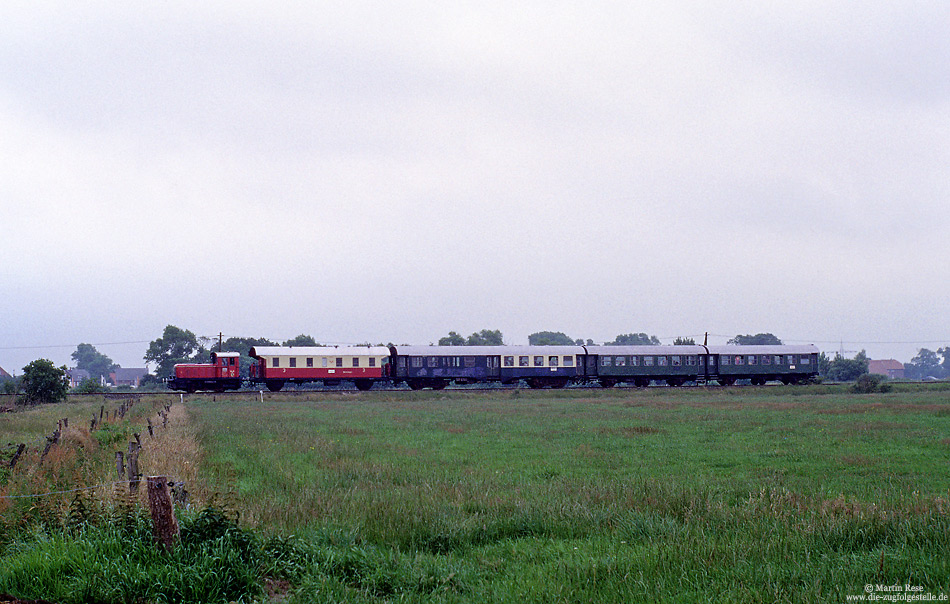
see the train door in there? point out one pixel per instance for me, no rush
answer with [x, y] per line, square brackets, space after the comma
[494, 367]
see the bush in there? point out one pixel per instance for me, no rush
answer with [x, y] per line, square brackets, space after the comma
[869, 383]
[89, 386]
[43, 382]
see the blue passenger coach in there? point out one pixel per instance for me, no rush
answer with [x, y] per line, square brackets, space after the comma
[438, 366]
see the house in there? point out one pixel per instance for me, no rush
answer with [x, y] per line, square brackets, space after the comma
[892, 369]
[128, 376]
[4, 375]
[76, 376]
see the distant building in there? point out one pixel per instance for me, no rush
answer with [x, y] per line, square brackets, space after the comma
[892, 369]
[76, 376]
[128, 376]
[4, 376]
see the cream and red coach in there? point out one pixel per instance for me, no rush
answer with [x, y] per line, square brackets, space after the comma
[278, 365]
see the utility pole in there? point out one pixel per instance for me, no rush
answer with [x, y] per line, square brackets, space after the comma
[220, 342]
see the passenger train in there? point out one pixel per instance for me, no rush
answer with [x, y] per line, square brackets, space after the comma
[537, 366]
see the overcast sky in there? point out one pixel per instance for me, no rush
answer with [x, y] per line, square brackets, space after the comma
[365, 171]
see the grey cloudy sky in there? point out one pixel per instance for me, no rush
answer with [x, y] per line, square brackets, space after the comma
[376, 172]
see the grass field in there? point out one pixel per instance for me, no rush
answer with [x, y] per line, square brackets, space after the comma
[746, 495]
[658, 495]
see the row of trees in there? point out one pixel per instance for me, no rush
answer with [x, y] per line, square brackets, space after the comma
[487, 337]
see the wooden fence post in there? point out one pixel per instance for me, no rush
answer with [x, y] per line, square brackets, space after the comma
[164, 524]
[119, 463]
[149, 420]
[133, 467]
[16, 456]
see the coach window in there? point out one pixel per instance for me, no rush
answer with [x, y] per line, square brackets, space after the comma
[621, 361]
[805, 359]
[552, 361]
[372, 361]
[469, 362]
[738, 359]
[605, 361]
[791, 359]
[275, 362]
[723, 361]
[634, 361]
[778, 359]
[339, 361]
[752, 359]
[661, 361]
[432, 361]
[309, 361]
[712, 361]
[648, 361]
[293, 361]
[356, 361]
[676, 360]
[766, 359]
[568, 361]
[416, 362]
[509, 361]
[539, 361]
[522, 361]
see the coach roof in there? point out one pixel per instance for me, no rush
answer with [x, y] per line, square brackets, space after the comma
[319, 351]
[479, 351]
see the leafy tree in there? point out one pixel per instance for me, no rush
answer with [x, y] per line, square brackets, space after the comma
[634, 339]
[759, 339]
[97, 364]
[300, 340]
[926, 363]
[453, 339]
[842, 369]
[10, 386]
[684, 342]
[175, 346]
[486, 337]
[43, 382]
[550, 338]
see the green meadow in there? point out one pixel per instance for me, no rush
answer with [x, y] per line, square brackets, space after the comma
[775, 494]
[759, 494]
